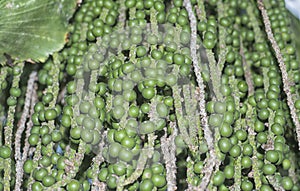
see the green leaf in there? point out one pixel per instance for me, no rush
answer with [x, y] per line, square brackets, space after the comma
[33, 29]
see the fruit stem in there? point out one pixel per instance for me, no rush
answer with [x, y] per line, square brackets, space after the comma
[212, 159]
[8, 130]
[282, 66]
[169, 154]
[21, 127]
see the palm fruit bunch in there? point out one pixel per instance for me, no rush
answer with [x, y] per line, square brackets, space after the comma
[149, 95]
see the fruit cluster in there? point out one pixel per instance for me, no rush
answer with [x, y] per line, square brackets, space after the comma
[158, 95]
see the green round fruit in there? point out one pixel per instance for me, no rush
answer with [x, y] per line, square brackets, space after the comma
[159, 180]
[73, 185]
[287, 183]
[218, 178]
[5, 152]
[146, 185]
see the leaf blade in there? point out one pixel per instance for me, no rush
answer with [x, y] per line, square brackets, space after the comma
[33, 29]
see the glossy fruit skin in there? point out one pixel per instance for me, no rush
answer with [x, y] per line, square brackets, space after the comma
[248, 150]
[287, 183]
[224, 145]
[159, 180]
[28, 166]
[48, 180]
[229, 171]
[114, 149]
[269, 169]
[146, 185]
[286, 164]
[147, 127]
[246, 162]
[218, 178]
[272, 156]
[16, 92]
[157, 168]
[162, 110]
[39, 174]
[73, 185]
[125, 155]
[220, 107]
[247, 185]
[241, 134]
[215, 120]
[119, 169]
[198, 167]
[50, 114]
[111, 182]
[226, 130]
[235, 151]
[33, 139]
[263, 114]
[5, 152]
[37, 186]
